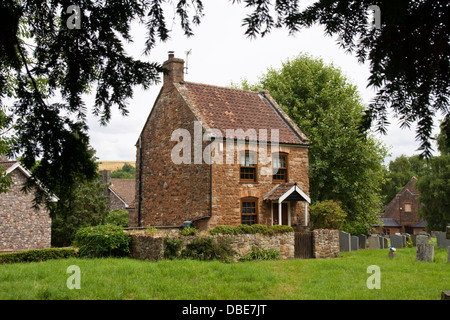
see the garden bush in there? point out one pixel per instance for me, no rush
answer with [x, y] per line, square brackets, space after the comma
[206, 249]
[37, 255]
[102, 241]
[246, 229]
[172, 247]
[189, 231]
[117, 217]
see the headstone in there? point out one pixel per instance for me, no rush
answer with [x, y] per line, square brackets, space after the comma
[344, 241]
[374, 243]
[404, 240]
[445, 295]
[413, 239]
[434, 234]
[386, 242]
[442, 241]
[397, 241]
[354, 243]
[380, 238]
[362, 241]
[425, 252]
[392, 255]
[422, 239]
[448, 255]
[448, 232]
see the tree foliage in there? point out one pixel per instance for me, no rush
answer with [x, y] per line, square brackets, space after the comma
[408, 54]
[328, 215]
[126, 172]
[345, 163]
[47, 60]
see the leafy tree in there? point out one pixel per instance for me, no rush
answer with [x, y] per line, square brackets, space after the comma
[74, 61]
[126, 172]
[434, 188]
[5, 145]
[345, 163]
[117, 217]
[401, 170]
[443, 138]
[328, 215]
[408, 54]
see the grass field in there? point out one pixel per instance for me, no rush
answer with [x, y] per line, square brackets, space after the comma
[113, 165]
[342, 278]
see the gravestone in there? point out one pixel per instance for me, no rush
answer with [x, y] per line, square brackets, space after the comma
[354, 243]
[386, 242]
[380, 238]
[421, 239]
[374, 243]
[362, 241]
[413, 239]
[448, 232]
[442, 241]
[425, 252]
[344, 241]
[397, 241]
[448, 255]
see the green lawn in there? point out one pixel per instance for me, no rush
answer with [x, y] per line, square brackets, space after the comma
[341, 278]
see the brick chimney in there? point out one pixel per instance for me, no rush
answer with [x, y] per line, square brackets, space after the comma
[175, 67]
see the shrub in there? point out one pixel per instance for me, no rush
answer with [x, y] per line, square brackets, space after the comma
[38, 255]
[327, 215]
[102, 241]
[172, 248]
[151, 230]
[117, 217]
[223, 230]
[261, 254]
[189, 231]
[206, 249]
[245, 229]
[260, 228]
[281, 228]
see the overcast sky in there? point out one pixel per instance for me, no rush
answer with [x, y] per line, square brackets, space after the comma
[222, 54]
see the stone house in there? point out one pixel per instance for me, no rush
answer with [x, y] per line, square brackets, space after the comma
[401, 215]
[121, 192]
[22, 227]
[218, 156]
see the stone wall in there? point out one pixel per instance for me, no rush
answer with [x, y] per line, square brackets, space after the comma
[151, 246]
[22, 227]
[326, 243]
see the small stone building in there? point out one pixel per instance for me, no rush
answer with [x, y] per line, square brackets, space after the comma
[22, 227]
[121, 192]
[218, 156]
[401, 215]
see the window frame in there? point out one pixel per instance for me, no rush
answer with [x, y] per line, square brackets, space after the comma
[286, 168]
[254, 167]
[249, 200]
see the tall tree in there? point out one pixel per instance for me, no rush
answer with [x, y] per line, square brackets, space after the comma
[77, 49]
[345, 163]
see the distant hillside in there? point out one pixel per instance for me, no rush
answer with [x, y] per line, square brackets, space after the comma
[113, 165]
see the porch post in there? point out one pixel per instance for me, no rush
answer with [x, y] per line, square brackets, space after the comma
[271, 213]
[306, 213]
[279, 212]
[289, 213]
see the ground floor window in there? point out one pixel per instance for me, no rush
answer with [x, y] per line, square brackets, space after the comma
[249, 211]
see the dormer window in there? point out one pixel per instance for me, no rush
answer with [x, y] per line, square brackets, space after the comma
[248, 167]
[280, 167]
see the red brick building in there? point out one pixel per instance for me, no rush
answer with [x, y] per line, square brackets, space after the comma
[259, 168]
[402, 213]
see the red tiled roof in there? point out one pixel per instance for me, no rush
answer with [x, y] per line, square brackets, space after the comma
[7, 164]
[229, 108]
[125, 189]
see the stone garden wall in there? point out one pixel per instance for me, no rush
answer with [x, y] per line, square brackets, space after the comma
[326, 243]
[151, 246]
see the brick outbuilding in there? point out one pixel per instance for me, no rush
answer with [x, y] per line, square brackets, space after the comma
[218, 156]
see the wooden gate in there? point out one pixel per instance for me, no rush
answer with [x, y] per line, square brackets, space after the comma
[303, 245]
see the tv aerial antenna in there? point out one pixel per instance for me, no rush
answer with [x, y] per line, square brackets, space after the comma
[187, 56]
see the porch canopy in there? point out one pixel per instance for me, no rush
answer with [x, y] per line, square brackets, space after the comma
[287, 192]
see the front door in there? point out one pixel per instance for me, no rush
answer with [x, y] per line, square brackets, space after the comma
[284, 213]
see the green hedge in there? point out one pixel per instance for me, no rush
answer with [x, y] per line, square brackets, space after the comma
[246, 229]
[38, 255]
[102, 241]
